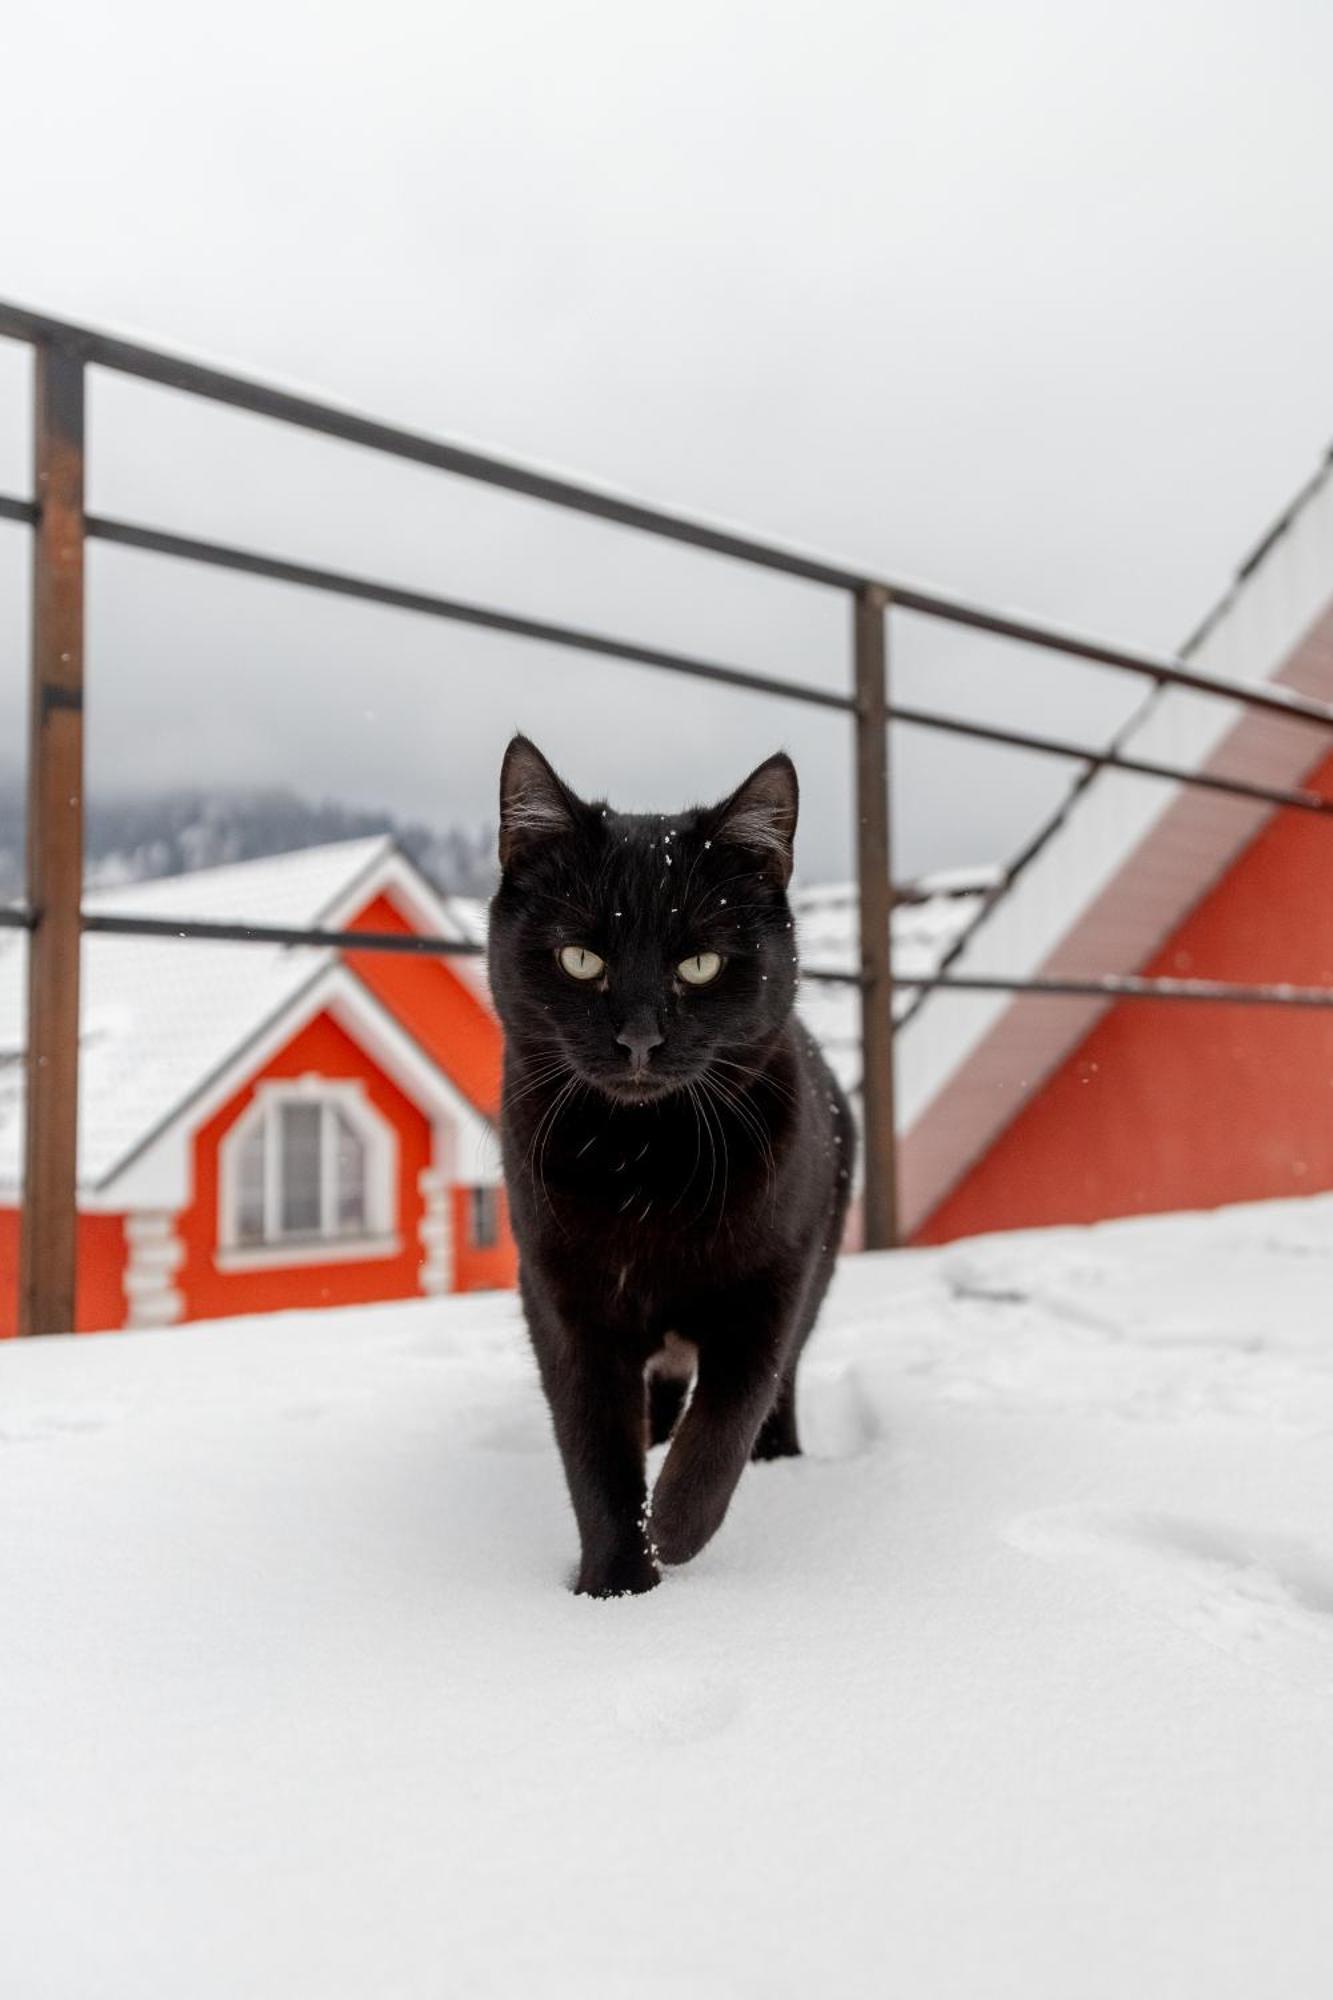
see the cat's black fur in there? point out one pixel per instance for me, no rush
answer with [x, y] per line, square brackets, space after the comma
[678, 1157]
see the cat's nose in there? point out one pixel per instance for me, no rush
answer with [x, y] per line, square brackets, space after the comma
[640, 1036]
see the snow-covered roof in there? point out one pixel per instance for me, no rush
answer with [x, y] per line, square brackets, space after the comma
[1123, 861]
[160, 1017]
[924, 929]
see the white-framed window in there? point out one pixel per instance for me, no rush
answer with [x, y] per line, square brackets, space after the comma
[309, 1171]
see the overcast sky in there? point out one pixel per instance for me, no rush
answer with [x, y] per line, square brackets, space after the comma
[1034, 301]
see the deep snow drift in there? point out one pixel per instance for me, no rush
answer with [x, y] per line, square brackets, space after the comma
[1021, 1684]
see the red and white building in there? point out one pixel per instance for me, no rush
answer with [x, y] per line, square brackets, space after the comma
[264, 1127]
[1022, 1111]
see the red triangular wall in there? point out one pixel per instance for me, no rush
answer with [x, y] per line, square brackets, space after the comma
[1167, 1105]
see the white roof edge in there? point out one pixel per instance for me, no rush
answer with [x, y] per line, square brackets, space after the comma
[1123, 860]
[159, 888]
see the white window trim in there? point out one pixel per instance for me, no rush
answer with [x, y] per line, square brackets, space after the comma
[381, 1150]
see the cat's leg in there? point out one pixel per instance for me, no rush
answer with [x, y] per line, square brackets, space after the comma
[743, 1360]
[777, 1434]
[594, 1387]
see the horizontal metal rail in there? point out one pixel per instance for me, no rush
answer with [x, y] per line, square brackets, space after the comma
[1126, 986]
[1162, 668]
[1109, 986]
[112, 925]
[14, 509]
[1300, 797]
[15, 918]
[238, 392]
[248, 562]
[219, 556]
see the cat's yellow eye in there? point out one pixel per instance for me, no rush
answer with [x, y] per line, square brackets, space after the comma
[697, 971]
[580, 963]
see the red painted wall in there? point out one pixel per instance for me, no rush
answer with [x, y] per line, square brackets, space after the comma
[1167, 1105]
[439, 1011]
[324, 1049]
[101, 1292]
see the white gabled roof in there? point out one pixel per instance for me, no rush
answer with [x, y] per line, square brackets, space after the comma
[294, 888]
[161, 1017]
[1123, 862]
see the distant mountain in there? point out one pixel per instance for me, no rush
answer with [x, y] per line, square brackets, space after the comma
[168, 833]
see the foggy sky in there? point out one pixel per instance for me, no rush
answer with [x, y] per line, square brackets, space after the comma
[1032, 301]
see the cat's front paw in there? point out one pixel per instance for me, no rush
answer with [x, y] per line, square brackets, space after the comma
[626, 1576]
[684, 1519]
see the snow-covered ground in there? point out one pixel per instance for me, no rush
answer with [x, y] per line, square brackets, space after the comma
[1020, 1685]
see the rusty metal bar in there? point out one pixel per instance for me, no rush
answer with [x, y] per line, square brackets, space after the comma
[1298, 798]
[1129, 986]
[47, 1256]
[874, 870]
[236, 392]
[1162, 668]
[1112, 986]
[112, 925]
[217, 555]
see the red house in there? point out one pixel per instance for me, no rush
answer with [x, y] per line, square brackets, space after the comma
[264, 1127]
[1023, 1111]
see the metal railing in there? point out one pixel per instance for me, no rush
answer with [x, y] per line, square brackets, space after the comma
[55, 921]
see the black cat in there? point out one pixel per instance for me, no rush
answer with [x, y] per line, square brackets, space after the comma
[677, 1153]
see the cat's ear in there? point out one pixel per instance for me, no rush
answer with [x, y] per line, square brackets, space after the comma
[535, 804]
[760, 815]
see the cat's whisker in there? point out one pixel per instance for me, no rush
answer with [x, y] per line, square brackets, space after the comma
[749, 1074]
[547, 1115]
[688, 1183]
[563, 1095]
[746, 1115]
[750, 1121]
[712, 1117]
[536, 1079]
[701, 1108]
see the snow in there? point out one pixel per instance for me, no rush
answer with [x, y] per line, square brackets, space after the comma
[1021, 1684]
